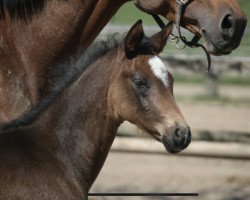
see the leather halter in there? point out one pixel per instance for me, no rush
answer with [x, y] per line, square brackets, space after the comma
[179, 7]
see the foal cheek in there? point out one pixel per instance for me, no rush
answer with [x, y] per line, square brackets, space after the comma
[123, 103]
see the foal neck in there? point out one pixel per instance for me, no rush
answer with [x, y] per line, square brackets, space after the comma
[83, 121]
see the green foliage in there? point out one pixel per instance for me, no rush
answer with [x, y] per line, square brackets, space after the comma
[245, 5]
[129, 14]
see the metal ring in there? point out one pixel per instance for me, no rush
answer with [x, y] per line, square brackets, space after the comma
[174, 38]
[178, 47]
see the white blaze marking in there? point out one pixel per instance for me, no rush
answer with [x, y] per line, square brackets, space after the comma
[159, 69]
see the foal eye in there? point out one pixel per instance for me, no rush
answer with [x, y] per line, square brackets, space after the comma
[140, 83]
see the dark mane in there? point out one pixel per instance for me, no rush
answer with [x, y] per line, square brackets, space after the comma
[21, 9]
[72, 68]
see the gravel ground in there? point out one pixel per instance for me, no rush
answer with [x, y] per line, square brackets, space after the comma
[213, 179]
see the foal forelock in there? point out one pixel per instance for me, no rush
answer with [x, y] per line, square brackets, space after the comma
[159, 69]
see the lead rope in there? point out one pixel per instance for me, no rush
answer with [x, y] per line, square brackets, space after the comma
[194, 42]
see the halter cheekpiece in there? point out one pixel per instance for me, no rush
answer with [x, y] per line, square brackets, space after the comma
[179, 7]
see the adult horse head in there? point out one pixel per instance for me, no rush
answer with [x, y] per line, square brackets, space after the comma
[220, 22]
[56, 150]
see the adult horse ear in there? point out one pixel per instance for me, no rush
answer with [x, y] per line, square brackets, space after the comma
[159, 40]
[133, 39]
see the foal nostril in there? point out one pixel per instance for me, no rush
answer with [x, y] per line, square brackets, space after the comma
[228, 26]
[182, 135]
[188, 136]
[177, 132]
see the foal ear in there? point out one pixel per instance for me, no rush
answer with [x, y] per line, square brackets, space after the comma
[159, 40]
[133, 39]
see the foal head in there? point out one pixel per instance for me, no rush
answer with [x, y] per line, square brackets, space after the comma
[142, 91]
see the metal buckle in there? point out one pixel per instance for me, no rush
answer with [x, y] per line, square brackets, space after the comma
[184, 1]
[194, 43]
[176, 40]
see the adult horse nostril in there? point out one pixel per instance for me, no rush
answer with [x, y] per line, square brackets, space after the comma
[227, 26]
[227, 22]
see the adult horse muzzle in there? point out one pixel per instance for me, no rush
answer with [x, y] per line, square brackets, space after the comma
[222, 31]
[227, 36]
[179, 139]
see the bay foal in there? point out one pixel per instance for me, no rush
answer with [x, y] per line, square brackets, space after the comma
[57, 149]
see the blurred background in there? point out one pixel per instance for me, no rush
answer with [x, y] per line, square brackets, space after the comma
[215, 104]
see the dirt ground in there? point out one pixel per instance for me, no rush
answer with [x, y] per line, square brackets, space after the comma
[215, 116]
[230, 91]
[213, 179]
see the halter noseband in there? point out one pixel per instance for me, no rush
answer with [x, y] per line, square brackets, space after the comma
[179, 7]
